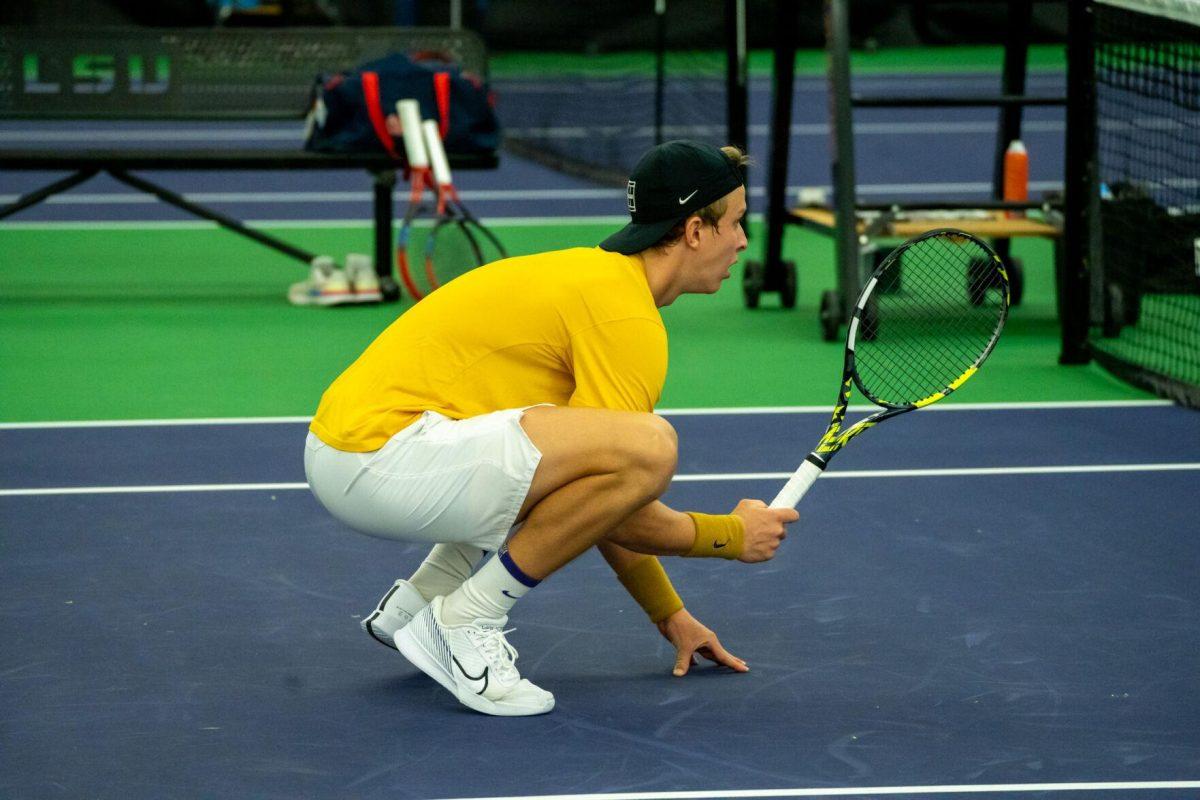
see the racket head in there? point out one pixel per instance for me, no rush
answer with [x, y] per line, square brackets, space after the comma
[450, 251]
[926, 319]
[489, 245]
[411, 240]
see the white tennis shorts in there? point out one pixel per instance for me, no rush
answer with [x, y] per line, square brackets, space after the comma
[438, 480]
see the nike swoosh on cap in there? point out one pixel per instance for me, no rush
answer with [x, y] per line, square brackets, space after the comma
[683, 200]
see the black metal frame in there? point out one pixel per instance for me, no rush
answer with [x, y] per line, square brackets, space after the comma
[118, 163]
[660, 66]
[736, 89]
[845, 183]
[1011, 101]
[1082, 212]
[783, 81]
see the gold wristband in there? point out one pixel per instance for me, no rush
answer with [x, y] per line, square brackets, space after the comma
[717, 536]
[648, 584]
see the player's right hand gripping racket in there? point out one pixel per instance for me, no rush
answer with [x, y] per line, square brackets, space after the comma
[923, 324]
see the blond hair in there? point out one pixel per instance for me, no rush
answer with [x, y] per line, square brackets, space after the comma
[711, 214]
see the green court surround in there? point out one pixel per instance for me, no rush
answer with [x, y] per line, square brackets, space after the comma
[100, 322]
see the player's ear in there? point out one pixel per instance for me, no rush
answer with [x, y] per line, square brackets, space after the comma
[691, 230]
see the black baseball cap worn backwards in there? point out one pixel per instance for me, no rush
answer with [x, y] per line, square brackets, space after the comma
[671, 182]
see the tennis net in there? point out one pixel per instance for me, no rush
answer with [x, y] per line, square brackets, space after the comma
[595, 115]
[1147, 62]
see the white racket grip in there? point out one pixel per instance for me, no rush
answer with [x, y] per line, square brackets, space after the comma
[437, 154]
[797, 485]
[409, 112]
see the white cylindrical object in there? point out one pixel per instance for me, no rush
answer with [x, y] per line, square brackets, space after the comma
[409, 112]
[437, 154]
[797, 485]
[814, 196]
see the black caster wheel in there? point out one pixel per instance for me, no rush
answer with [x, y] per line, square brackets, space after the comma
[787, 294]
[1016, 281]
[1114, 312]
[1133, 306]
[752, 282]
[389, 289]
[830, 315]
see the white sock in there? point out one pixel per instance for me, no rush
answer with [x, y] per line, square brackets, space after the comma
[445, 569]
[488, 594]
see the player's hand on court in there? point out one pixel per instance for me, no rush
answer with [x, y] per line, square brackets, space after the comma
[690, 638]
[765, 529]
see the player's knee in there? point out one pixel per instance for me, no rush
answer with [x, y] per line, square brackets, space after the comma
[657, 452]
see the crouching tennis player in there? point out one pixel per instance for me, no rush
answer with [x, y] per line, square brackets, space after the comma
[511, 413]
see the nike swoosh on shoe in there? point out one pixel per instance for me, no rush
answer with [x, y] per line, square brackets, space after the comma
[473, 679]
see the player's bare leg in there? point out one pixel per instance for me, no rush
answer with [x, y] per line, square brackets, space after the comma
[598, 467]
[600, 477]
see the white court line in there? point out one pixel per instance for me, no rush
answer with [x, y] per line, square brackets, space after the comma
[945, 472]
[1049, 405]
[666, 412]
[868, 791]
[123, 197]
[692, 478]
[161, 489]
[299, 224]
[153, 423]
[93, 135]
[296, 135]
[810, 129]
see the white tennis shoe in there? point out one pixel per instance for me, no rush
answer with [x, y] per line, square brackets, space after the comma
[364, 283]
[326, 286]
[473, 662]
[395, 610]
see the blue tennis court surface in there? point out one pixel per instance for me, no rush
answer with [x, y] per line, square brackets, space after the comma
[999, 601]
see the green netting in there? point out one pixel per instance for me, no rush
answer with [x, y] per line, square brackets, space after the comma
[1148, 134]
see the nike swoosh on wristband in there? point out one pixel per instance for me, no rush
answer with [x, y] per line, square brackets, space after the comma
[472, 679]
[719, 546]
[683, 200]
[506, 594]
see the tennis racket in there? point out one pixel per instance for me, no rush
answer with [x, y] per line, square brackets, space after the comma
[459, 242]
[420, 177]
[913, 342]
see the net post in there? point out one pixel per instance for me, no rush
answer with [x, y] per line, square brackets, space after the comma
[1078, 263]
[841, 118]
[1016, 56]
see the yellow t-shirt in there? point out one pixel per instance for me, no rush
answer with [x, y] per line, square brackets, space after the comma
[574, 327]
